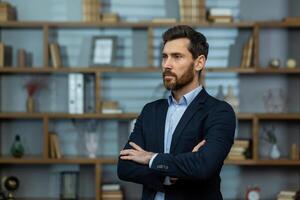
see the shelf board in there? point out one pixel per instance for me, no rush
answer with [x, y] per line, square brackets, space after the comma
[64, 160]
[129, 116]
[279, 24]
[250, 162]
[278, 116]
[117, 69]
[24, 115]
[96, 24]
[281, 70]
[113, 160]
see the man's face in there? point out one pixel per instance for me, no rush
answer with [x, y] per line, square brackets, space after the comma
[178, 64]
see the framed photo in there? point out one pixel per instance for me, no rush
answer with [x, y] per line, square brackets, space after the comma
[103, 50]
[69, 185]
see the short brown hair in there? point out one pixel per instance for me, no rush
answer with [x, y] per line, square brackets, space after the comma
[198, 44]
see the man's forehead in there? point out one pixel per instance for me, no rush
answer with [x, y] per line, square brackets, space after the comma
[180, 44]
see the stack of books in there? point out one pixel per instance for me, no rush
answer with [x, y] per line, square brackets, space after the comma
[239, 149]
[55, 151]
[111, 192]
[110, 17]
[91, 10]
[5, 55]
[247, 53]
[7, 12]
[192, 10]
[288, 195]
[220, 15]
[110, 107]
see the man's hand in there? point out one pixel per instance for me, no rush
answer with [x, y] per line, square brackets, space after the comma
[137, 154]
[198, 146]
[195, 149]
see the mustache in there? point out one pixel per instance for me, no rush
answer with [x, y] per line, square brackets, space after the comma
[168, 73]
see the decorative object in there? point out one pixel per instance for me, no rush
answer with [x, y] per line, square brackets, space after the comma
[32, 86]
[274, 100]
[11, 184]
[103, 50]
[295, 152]
[274, 63]
[17, 148]
[232, 99]
[91, 143]
[291, 63]
[69, 185]
[270, 137]
[253, 193]
[220, 94]
[21, 57]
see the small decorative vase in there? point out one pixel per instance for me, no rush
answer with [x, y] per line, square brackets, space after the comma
[274, 151]
[91, 144]
[17, 149]
[232, 99]
[30, 104]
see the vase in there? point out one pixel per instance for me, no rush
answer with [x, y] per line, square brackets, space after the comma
[274, 151]
[91, 144]
[30, 104]
[17, 149]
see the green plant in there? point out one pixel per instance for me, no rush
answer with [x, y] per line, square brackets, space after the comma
[269, 135]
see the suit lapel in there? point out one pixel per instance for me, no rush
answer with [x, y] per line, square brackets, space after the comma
[162, 110]
[196, 105]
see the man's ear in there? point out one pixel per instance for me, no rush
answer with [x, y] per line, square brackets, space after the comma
[200, 63]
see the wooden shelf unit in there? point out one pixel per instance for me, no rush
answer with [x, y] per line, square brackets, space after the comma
[93, 70]
[254, 118]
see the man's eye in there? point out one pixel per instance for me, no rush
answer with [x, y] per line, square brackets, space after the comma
[177, 56]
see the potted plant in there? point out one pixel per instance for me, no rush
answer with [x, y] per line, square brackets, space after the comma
[271, 138]
[32, 87]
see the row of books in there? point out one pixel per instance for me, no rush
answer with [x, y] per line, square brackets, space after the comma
[91, 10]
[288, 195]
[192, 10]
[7, 12]
[239, 149]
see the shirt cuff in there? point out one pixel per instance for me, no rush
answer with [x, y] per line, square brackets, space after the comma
[151, 160]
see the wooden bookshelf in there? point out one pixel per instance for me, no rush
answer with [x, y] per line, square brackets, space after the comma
[91, 70]
[141, 24]
[39, 160]
[24, 115]
[251, 162]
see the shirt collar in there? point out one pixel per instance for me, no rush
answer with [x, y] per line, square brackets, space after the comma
[187, 98]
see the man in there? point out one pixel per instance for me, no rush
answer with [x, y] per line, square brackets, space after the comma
[178, 145]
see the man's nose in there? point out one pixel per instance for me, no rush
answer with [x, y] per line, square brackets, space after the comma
[167, 63]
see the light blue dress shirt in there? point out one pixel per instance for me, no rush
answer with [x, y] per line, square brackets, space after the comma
[174, 114]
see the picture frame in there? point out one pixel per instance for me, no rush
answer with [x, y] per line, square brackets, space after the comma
[103, 50]
[69, 185]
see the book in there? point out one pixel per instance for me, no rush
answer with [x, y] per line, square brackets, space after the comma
[5, 55]
[55, 55]
[111, 187]
[55, 151]
[21, 58]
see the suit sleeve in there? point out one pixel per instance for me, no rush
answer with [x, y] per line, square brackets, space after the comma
[134, 172]
[219, 134]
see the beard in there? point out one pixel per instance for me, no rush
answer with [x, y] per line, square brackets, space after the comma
[178, 83]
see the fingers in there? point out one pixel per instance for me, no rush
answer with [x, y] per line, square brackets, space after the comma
[135, 146]
[198, 146]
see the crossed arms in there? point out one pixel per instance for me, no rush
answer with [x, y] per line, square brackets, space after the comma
[201, 164]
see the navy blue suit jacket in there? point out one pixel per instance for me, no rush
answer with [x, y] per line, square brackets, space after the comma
[198, 173]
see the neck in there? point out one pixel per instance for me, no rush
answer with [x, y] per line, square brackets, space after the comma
[184, 90]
